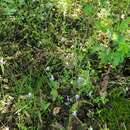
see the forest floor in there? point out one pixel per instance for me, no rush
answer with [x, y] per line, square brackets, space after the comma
[65, 65]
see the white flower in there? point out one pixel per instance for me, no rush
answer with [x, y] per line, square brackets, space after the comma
[77, 97]
[26, 96]
[122, 16]
[80, 80]
[2, 62]
[126, 88]
[90, 128]
[29, 95]
[74, 114]
[52, 77]
[71, 82]
[63, 39]
[47, 68]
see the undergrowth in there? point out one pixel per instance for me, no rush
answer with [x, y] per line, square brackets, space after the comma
[64, 64]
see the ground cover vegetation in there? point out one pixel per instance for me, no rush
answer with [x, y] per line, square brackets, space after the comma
[65, 64]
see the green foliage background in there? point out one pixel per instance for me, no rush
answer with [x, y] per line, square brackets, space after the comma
[54, 55]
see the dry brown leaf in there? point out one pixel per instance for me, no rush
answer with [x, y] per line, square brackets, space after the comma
[56, 110]
[5, 128]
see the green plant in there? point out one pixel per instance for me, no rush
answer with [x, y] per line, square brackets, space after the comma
[62, 64]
